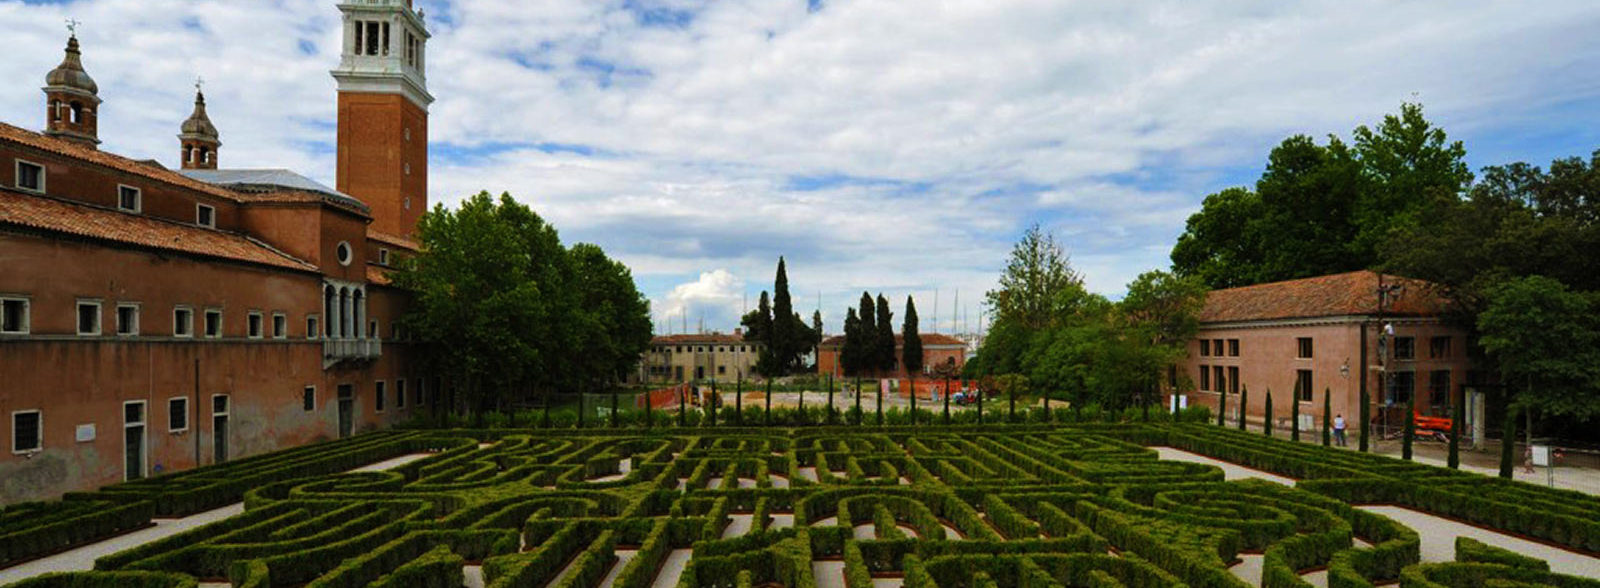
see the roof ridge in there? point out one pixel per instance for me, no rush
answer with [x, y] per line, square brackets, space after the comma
[111, 160]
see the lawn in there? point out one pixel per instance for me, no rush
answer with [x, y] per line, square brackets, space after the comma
[970, 506]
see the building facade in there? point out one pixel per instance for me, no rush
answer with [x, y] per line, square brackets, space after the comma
[698, 357]
[1302, 339]
[157, 319]
[936, 349]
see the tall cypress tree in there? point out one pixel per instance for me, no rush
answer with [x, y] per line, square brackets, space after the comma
[886, 358]
[912, 355]
[1266, 423]
[850, 351]
[787, 343]
[867, 328]
[1327, 407]
[1244, 405]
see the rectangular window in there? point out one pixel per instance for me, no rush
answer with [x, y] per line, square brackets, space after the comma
[399, 393]
[421, 394]
[361, 37]
[88, 317]
[308, 399]
[1218, 378]
[27, 431]
[182, 322]
[1205, 378]
[379, 396]
[30, 176]
[1304, 351]
[177, 414]
[205, 216]
[1233, 379]
[219, 404]
[1401, 386]
[128, 198]
[311, 327]
[1233, 348]
[1302, 385]
[1439, 388]
[253, 324]
[372, 329]
[383, 256]
[133, 412]
[127, 319]
[1405, 347]
[14, 316]
[1439, 347]
[384, 50]
[280, 325]
[1205, 348]
[213, 323]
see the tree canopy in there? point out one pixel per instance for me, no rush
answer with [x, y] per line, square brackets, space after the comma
[501, 306]
[1323, 209]
[911, 356]
[784, 336]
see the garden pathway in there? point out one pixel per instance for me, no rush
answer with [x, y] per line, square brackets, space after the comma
[1439, 536]
[82, 558]
[1230, 471]
[672, 568]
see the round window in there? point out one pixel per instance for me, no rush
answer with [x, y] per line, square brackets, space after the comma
[344, 253]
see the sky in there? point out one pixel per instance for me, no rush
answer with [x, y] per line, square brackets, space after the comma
[879, 145]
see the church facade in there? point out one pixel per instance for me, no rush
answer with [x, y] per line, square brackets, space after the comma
[157, 318]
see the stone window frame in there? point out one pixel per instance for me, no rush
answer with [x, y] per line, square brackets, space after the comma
[133, 332]
[205, 215]
[380, 389]
[280, 325]
[38, 432]
[255, 324]
[399, 393]
[206, 323]
[313, 326]
[187, 321]
[138, 198]
[343, 253]
[176, 400]
[43, 176]
[308, 398]
[99, 316]
[27, 314]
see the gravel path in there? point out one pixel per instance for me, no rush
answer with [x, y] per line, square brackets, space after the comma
[82, 558]
[1248, 568]
[1230, 471]
[672, 568]
[738, 525]
[472, 576]
[829, 574]
[623, 557]
[1439, 536]
[390, 464]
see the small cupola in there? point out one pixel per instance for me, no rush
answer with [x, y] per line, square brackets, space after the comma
[198, 137]
[72, 100]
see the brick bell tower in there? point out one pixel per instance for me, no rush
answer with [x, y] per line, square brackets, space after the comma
[383, 112]
[72, 99]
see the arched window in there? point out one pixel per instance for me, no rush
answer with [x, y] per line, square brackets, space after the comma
[205, 155]
[77, 113]
[330, 310]
[188, 154]
[55, 110]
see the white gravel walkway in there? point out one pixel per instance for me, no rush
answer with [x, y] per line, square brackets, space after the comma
[829, 574]
[672, 568]
[623, 557]
[1230, 471]
[82, 558]
[1439, 537]
[393, 463]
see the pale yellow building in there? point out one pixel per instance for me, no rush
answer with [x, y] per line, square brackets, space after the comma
[698, 357]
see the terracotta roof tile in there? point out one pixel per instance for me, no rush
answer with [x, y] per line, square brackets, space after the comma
[1352, 293]
[378, 275]
[49, 214]
[110, 160]
[712, 338]
[927, 339]
[392, 239]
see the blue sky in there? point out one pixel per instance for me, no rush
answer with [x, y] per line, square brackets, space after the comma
[894, 147]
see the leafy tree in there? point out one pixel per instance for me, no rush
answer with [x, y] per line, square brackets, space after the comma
[1320, 209]
[501, 306]
[616, 324]
[1546, 341]
[759, 328]
[782, 334]
[1033, 285]
[885, 346]
[911, 357]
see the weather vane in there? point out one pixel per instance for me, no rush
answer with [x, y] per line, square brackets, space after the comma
[72, 26]
[199, 83]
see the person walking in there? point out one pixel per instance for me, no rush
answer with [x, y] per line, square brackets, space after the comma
[1338, 430]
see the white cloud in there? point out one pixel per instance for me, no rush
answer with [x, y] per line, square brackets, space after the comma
[714, 299]
[882, 146]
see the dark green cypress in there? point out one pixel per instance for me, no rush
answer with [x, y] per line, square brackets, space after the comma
[1456, 410]
[1294, 417]
[1327, 419]
[1244, 405]
[1266, 421]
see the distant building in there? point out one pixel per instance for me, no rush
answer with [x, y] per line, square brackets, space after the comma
[688, 358]
[1301, 338]
[936, 349]
[155, 319]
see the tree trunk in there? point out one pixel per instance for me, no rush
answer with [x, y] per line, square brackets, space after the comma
[1454, 460]
[1508, 440]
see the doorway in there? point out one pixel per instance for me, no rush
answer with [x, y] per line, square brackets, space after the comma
[133, 446]
[219, 428]
[347, 407]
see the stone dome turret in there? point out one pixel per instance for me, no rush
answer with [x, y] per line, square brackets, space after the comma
[70, 74]
[198, 125]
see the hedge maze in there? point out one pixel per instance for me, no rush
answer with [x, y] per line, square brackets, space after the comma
[1001, 506]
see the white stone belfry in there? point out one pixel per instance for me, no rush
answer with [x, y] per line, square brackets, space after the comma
[385, 50]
